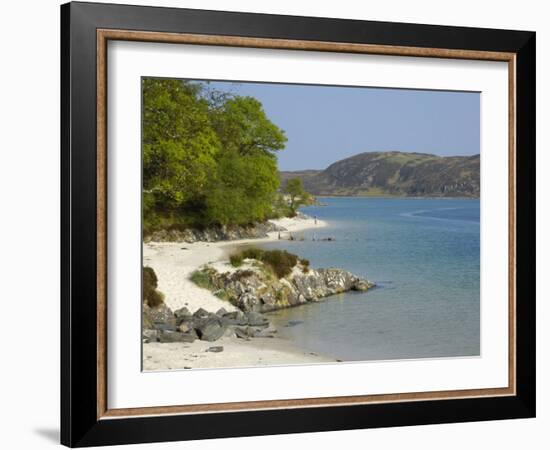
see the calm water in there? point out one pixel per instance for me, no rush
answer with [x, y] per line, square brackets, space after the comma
[424, 255]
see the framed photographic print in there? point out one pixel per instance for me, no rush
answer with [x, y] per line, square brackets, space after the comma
[276, 224]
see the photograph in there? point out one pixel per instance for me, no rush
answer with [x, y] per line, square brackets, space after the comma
[288, 224]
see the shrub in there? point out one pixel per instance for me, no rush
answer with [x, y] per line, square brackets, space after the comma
[151, 296]
[202, 279]
[236, 260]
[280, 261]
[253, 253]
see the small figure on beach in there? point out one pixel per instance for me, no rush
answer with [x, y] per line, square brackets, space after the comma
[315, 218]
[279, 236]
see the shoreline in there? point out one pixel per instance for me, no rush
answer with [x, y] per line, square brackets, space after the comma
[236, 353]
[174, 262]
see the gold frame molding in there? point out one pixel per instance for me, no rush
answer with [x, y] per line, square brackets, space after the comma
[104, 35]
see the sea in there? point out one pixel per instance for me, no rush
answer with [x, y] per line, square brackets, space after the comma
[423, 255]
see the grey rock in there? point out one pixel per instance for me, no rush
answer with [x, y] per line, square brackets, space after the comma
[185, 327]
[216, 349]
[150, 335]
[229, 332]
[176, 336]
[158, 315]
[255, 319]
[244, 332]
[182, 312]
[221, 312]
[235, 318]
[248, 302]
[201, 313]
[164, 327]
[266, 333]
[210, 329]
[362, 285]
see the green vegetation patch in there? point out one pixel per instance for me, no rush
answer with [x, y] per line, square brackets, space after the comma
[202, 279]
[280, 262]
[236, 260]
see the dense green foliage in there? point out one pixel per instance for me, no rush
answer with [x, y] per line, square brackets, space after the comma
[151, 296]
[395, 173]
[280, 262]
[208, 157]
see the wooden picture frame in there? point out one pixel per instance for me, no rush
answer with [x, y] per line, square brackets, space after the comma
[86, 418]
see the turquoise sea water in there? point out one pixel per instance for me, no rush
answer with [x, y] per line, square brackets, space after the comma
[424, 256]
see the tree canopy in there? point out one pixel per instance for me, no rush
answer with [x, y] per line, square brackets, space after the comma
[208, 157]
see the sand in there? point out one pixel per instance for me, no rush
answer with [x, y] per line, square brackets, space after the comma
[174, 263]
[236, 353]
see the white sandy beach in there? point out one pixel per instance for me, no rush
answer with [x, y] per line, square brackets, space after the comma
[236, 353]
[174, 263]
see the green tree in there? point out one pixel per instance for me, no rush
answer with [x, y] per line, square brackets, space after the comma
[208, 156]
[179, 145]
[297, 196]
[246, 181]
[243, 126]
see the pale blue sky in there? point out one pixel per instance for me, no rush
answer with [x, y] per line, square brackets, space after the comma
[324, 124]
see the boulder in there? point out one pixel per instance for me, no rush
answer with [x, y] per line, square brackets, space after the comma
[176, 336]
[210, 329]
[201, 313]
[182, 312]
[244, 332]
[216, 349]
[164, 327]
[150, 335]
[235, 318]
[221, 312]
[229, 332]
[362, 285]
[256, 320]
[185, 327]
[159, 315]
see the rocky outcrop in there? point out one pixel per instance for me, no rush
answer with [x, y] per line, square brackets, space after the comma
[160, 324]
[256, 289]
[214, 234]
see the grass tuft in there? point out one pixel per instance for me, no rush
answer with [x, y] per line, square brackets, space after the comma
[202, 279]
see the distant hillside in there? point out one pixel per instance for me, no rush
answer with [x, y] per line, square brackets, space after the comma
[394, 173]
